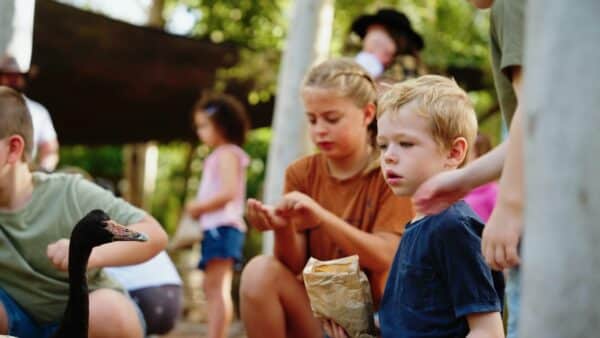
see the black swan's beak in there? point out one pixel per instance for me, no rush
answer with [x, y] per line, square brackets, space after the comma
[122, 233]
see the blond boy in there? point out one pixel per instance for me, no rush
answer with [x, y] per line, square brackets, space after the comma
[439, 285]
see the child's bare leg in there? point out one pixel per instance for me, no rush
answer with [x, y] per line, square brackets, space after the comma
[3, 320]
[217, 288]
[112, 314]
[273, 300]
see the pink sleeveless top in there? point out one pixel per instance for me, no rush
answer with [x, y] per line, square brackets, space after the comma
[232, 213]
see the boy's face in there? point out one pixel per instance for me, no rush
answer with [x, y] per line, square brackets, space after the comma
[409, 153]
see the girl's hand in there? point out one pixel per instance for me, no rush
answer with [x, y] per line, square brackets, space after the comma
[297, 204]
[192, 210]
[263, 217]
[332, 329]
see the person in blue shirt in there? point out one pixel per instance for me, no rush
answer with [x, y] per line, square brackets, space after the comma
[439, 284]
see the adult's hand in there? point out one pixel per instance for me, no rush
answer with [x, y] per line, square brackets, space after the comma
[441, 191]
[500, 239]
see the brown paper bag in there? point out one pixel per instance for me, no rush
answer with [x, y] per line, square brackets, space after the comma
[339, 291]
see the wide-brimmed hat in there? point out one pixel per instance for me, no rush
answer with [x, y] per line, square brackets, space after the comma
[395, 22]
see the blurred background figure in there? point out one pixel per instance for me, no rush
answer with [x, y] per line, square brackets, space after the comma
[155, 286]
[45, 142]
[483, 198]
[390, 46]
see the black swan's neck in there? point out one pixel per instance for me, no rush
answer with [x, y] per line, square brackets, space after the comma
[75, 320]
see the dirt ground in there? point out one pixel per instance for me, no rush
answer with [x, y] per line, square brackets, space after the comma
[195, 330]
[193, 321]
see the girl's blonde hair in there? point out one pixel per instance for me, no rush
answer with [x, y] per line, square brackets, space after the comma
[349, 80]
[346, 77]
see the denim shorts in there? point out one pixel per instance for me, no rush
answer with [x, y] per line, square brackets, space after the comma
[22, 325]
[222, 242]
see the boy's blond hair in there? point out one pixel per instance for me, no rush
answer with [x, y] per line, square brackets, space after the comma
[441, 101]
[15, 118]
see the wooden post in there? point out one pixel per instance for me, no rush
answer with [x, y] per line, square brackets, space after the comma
[308, 40]
[141, 165]
[141, 159]
[561, 259]
[155, 14]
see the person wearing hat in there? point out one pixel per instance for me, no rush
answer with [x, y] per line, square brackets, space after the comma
[45, 141]
[386, 36]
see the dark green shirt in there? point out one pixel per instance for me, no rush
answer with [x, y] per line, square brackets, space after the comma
[58, 202]
[507, 35]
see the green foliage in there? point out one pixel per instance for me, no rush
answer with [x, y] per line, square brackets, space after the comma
[257, 25]
[103, 161]
[455, 34]
[257, 147]
[170, 188]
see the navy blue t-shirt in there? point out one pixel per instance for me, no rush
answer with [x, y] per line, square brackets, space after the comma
[438, 277]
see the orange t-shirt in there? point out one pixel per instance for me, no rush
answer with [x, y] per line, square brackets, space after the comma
[364, 201]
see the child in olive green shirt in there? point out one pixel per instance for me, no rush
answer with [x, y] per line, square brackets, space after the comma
[37, 213]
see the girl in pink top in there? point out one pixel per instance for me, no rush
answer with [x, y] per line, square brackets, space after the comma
[221, 123]
[483, 198]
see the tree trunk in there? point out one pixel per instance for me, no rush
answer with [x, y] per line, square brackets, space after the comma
[141, 159]
[308, 40]
[16, 35]
[141, 166]
[155, 15]
[561, 279]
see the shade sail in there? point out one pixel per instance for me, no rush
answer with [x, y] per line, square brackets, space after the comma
[107, 82]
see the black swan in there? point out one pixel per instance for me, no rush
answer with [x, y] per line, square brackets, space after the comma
[94, 229]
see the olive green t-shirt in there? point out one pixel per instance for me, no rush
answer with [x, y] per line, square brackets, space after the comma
[507, 35]
[58, 202]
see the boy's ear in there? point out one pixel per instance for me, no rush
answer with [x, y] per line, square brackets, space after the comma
[16, 149]
[370, 111]
[457, 153]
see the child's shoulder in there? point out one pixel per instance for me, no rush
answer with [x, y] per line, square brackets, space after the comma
[307, 163]
[232, 150]
[456, 219]
[64, 184]
[56, 179]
